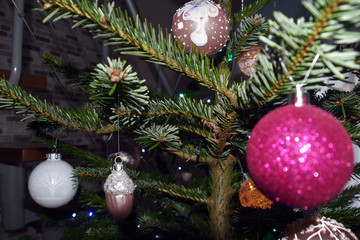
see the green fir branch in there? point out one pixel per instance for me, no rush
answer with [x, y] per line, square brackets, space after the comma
[175, 217]
[297, 44]
[183, 107]
[345, 105]
[344, 199]
[79, 77]
[194, 194]
[88, 157]
[91, 174]
[93, 200]
[190, 152]
[251, 9]
[88, 120]
[246, 34]
[116, 83]
[140, 39]
[154, 135]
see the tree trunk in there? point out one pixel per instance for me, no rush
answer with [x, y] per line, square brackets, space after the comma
[220, 200]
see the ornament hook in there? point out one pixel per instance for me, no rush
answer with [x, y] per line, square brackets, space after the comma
[118, 166]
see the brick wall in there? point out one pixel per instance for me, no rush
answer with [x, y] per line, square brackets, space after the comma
[75, 46]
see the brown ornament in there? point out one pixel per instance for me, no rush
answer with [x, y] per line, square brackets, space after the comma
[248, 60]
[251, 196]
[317, 228]
[119, 206]
[201, 24]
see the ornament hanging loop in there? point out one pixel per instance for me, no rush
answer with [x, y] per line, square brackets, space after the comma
[300, 97]
[118, 166]
[54, 147]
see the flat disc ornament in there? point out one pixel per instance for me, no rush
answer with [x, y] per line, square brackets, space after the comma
[201, 24]
[300, 156]
[119, 192]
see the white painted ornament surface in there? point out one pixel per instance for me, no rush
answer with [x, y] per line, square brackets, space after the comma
[320, 228]
[51, 183]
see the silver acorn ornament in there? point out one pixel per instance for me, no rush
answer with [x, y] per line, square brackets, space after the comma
[119, 192]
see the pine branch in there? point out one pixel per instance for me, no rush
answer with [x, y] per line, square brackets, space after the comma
[88, 157]
[344, 199]
[174, 218]
[174, 227]
[297, 44]
[183, 107]
[91, 174]
[116, 83]
[93, 200]
[247, 33]
[79, 77]
[345, 105]
[194, 194]
[80, 119]
[251, 9]
[107, 79]
[154, 135]
[190, 153]
[81, 227]
[140, 39]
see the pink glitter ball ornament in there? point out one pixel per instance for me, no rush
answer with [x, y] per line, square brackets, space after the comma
[300, 156]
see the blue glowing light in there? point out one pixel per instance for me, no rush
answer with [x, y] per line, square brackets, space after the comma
[73, 215]
[91, 214]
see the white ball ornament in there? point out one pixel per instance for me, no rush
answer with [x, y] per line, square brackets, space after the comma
[202, 24]
[51, 183]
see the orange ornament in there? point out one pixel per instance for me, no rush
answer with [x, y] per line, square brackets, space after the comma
[251, 196]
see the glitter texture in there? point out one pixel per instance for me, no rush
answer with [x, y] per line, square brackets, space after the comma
[300, 156]
[251, 196]
[119, 183]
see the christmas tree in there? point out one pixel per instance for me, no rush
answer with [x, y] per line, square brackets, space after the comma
[214, 135]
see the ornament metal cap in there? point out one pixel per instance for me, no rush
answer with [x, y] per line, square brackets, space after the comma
[53, 156]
